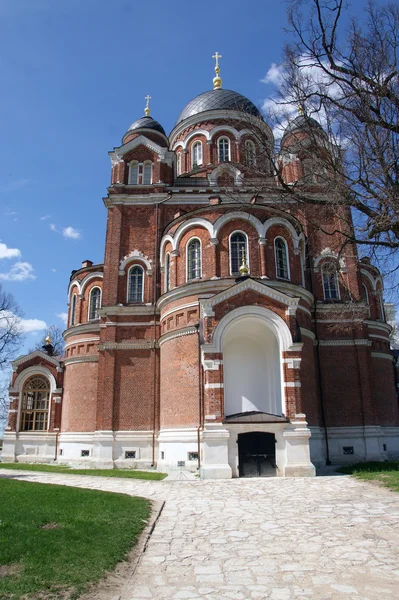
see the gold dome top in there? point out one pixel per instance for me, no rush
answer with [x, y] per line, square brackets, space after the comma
[217, 81]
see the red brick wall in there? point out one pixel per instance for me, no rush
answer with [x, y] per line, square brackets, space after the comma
[80, 397]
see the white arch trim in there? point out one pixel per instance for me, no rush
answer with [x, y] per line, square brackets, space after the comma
[22, 379]
[267, 316]
[371, 279]
[166, 238]
[82, 284]
[188, 225]
[284, 223]
[135, 255]
[184, 143]
[243, 216]
[225, 167]
[227, 128]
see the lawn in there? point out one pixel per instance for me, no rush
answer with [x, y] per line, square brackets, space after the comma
[124, 473]
[54, 540]
[384, 472]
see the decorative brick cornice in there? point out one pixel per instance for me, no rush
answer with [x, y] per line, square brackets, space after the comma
[84, 328]
[176, 334]
[80, 359]
[344, 343]
[127, 346]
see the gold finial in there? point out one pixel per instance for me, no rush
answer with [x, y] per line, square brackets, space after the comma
[48, 339]
[217, 81]
[300, 110]
[147, 106]
[244, 269]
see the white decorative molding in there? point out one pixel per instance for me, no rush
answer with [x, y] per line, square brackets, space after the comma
[82, 341]
[127, 346]
[135, 255]
[292, 384]
[207, 305]
[211, 364]
[383, 355]
[35, 354]
[81, 359]
[213, 386]
[81, 285]
[292, 363]
[118, 153]
[82, 329]
[344, 342]
[307, 333]
[176, 334]
[178, 308]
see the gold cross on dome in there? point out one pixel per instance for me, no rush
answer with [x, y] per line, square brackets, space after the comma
[216, 56]
[147, 106]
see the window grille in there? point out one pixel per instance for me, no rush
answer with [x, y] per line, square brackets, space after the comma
[197, 154]
[193, 456]
[84, 453]
[140, 173]
[95, 303]
[178, 163]
[147, 173]
[238, 252]
[250, 159]
[281, 254]
[73, 311]
[194, 259]
[134, 173]
[224, 149]
[167, 273]
[136, 284]
[330, 283]
[35, 405]
[130, 454]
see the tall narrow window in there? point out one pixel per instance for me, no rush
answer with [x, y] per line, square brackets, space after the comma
[136, 276]
[35, 404]
[95, 303]
[250, 159]
[167, 272]
[196, 154]
[72, 317]
[365, 293]
[238, 252]
[134, 173]
[194, 259]
[224, 149]
[281, 254]
[147, 173]
[330, 282]
[178, 163]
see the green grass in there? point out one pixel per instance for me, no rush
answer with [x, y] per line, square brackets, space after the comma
[386, 473]
[123, 473]
[55, 539]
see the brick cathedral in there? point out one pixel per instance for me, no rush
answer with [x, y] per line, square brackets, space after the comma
[225, 330]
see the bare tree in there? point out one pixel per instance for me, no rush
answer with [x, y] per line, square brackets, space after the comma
[10, 340]
[57, 341]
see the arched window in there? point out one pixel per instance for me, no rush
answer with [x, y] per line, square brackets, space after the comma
[194, 259]
[167, 272]
[72, 317]
[95, 303]
[330, 282]
[365, 293]
[134, 173]
[250, 153]
[35, 404]
[178, 163]
[136, 288]
[147, 173]
[140, 173]
[196, 154]
[238, 252]
[224, 149]
[281, 256]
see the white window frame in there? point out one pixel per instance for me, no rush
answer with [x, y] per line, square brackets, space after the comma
[178, 163]
[195, 145]
[187, 260]
[167, 273]
[128, 284]
[287, 255]
[95, 287]
[72, 314]
[21, 396]
[366, 294]
[230, 252]
[222, 138]
[140, 172]
[336, 282]
[253, 146]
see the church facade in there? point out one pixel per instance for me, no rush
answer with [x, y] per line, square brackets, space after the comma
[226, 330]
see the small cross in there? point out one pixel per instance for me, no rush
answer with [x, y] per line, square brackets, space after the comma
[147, 106]
[216, 56]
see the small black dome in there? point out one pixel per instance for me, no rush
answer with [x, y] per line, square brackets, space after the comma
[302, 122]
[147, 123]
[219, 99]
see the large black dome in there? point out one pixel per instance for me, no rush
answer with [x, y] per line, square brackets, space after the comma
[219, 99]
[147, 123]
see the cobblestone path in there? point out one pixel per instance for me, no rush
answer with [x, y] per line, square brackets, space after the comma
[281, 539]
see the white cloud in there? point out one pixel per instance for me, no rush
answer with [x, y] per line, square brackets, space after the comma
[19, 272]
[53, 227]
[25, 325]
[6, 252]
[274, 75]
[45, 217]
[63, 316]
[71, 233]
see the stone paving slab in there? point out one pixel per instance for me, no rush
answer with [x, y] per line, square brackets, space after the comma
[281, 539]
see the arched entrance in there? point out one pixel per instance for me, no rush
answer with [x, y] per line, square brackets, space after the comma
[252, 368]
[256, 454]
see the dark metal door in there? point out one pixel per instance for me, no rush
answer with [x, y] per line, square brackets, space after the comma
[256, 454]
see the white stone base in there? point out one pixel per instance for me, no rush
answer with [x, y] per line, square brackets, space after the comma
[174, 446]
[367, 442]
[29, 447]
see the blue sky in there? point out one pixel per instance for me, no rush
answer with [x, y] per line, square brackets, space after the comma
[75, 73]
